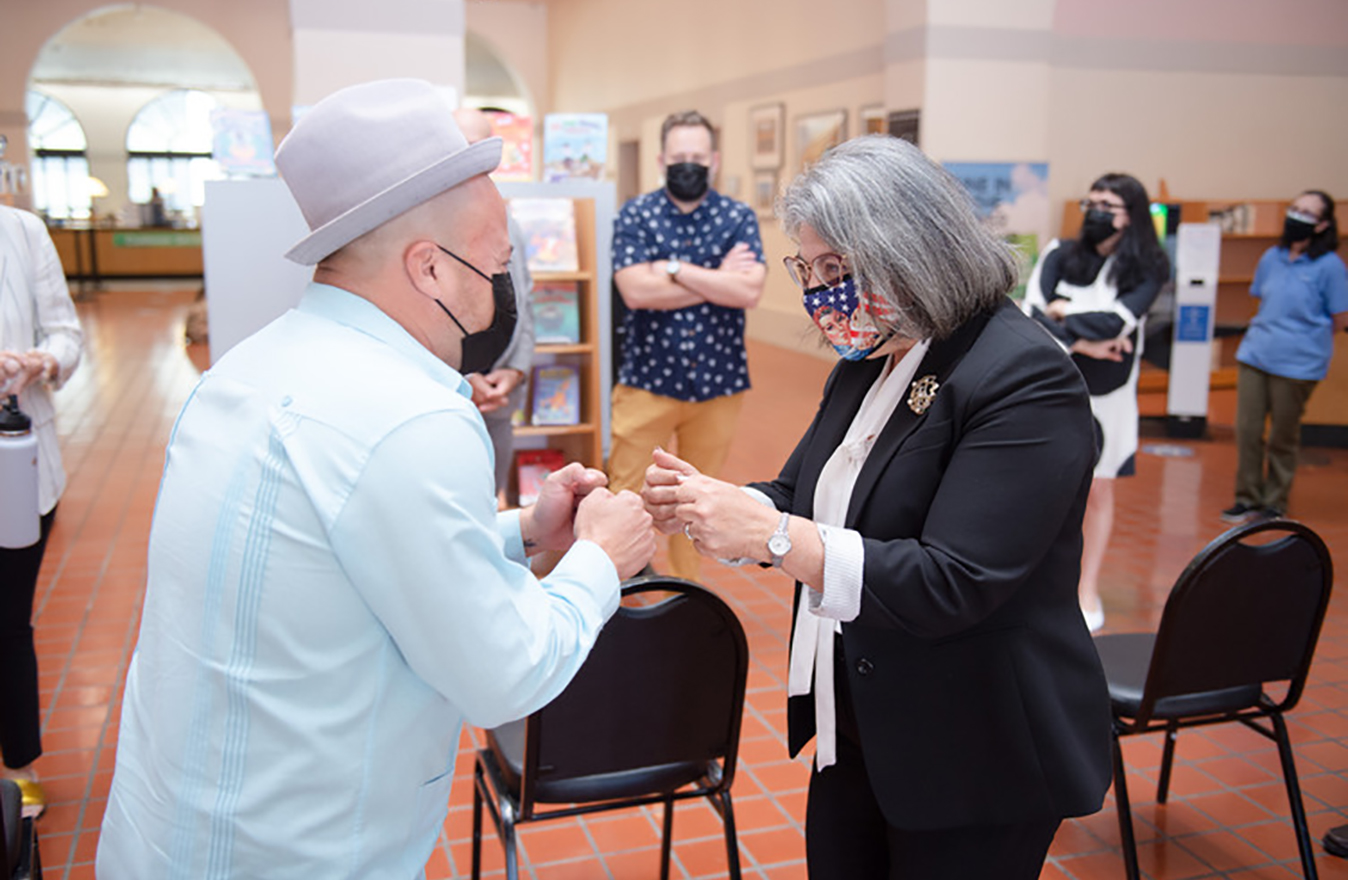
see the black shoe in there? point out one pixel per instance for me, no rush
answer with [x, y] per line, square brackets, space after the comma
[1272, 513]
[1239, 513]
[1336, 841]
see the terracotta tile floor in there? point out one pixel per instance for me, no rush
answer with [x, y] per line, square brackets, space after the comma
[1226, 817]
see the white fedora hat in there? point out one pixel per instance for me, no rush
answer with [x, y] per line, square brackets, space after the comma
[367, 153]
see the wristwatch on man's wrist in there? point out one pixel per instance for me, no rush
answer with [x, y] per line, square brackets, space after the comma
[672, 267]
[780, 543]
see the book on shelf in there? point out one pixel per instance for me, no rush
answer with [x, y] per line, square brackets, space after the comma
[517, 146]
[556, 399]
[549, 226]
[556, 310]
[575, 145]
[532, 467]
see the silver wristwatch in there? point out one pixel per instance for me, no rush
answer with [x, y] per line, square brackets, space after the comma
[672, 267]
[780, 543]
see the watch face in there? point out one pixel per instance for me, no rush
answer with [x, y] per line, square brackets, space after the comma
[779, 545]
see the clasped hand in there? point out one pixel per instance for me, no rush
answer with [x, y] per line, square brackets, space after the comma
[719, 518]
[574, 505]
[18, 369]
[491, 391]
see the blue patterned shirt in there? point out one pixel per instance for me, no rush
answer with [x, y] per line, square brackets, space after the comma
[694, 353]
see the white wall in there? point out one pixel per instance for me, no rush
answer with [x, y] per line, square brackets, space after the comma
[518, 31]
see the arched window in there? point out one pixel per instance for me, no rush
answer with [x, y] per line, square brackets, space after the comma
[168, 148]
[60, 161]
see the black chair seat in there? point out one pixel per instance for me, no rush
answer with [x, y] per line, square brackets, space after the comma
[1127, 657]
[507, 746]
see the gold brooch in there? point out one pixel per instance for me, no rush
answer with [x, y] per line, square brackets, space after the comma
[922, 393]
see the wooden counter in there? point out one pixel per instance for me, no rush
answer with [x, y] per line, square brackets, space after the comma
[99, 254]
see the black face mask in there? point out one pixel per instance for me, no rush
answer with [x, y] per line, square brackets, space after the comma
[687, 181]
[1294, 230]
[481, 349]
[1097, 226]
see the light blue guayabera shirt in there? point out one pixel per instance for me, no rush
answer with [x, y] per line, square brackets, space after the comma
[331, 594]
[1293, 333]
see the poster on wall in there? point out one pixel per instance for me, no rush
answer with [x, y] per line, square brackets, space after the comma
[517, 147]
[241, 142]
[575, 145]
[1012, 197]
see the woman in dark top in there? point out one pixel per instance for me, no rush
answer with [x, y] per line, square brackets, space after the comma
[1092, 295]
[931, 519]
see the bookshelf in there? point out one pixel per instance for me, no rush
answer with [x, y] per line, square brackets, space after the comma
[595, 206]
[1327, 412]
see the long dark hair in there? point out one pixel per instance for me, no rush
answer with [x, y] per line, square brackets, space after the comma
[1321, 243]
[1138, 257]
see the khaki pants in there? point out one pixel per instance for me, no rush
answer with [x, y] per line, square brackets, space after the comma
[1262, 396]
[643, 421]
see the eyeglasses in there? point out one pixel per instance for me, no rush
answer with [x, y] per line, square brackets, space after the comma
[827, 269]
[1087, 206]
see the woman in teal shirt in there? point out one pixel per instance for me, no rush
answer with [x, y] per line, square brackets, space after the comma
[1302, 287]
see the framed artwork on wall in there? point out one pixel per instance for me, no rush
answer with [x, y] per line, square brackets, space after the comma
[872, 119]
[905, 124]
[765, 191]
[765, 136]
[817, 132]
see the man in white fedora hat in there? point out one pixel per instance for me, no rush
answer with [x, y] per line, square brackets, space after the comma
[331, 592]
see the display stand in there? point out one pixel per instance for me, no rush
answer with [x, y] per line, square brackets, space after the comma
[595, 203]
[1197, 257]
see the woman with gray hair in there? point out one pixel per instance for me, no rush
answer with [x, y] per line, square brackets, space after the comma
[931, 518]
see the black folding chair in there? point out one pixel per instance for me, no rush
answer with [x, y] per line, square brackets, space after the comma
[1244, 614]
[19, 859]
[652, 717]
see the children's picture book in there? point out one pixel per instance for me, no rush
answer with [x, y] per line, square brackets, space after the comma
[556, 312]
[575, 145]
[556, 395]
[517, 148]
[532, 467]
[549, 227]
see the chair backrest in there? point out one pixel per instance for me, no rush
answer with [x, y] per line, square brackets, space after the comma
[663, 684]
[1243, 613]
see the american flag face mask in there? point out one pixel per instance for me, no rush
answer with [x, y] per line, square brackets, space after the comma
[846, 316]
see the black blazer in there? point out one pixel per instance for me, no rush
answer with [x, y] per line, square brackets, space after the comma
[978, 693]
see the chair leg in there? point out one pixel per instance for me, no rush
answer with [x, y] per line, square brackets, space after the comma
[732, 846]
[666, 839]
[508, 841]
[1289, 774]
[477, 821]
[1126, 839]
[1167, 760]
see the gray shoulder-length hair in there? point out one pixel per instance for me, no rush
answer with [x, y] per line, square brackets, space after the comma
[908, 230]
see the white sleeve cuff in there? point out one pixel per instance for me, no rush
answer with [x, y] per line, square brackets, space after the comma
[844, 568]
[508, 527]
[758, 496]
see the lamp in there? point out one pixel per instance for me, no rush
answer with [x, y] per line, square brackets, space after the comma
[97, 188]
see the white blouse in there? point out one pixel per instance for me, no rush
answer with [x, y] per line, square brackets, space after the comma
[821, 612]
[36, 313]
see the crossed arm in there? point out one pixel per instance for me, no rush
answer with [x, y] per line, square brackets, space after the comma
[736, 283]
